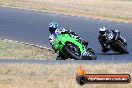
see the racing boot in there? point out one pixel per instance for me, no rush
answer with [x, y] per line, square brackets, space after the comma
[60, 56]
[89, 49]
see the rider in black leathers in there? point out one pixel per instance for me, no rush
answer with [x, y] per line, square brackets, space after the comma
[103, 41]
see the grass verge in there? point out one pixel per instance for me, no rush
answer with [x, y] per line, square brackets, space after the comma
[57, 76]
[115, 10]
[12, 50]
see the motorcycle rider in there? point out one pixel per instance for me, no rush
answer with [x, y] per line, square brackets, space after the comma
[103, 41]
[54, 30]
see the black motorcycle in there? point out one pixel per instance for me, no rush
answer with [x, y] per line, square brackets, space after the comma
[115, 43]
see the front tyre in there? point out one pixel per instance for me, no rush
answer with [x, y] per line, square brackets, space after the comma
[72, 51]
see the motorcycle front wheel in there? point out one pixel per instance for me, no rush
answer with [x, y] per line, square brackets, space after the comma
[72, 51]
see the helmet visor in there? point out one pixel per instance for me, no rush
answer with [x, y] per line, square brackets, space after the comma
[52, 30]
[102, 32]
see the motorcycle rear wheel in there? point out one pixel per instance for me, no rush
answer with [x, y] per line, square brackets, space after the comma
[123, 49]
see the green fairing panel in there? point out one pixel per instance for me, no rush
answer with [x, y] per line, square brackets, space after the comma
[61, 40]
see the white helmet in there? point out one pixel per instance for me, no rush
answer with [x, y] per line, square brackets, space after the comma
[102, 30]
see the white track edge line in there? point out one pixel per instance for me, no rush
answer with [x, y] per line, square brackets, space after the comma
[41, 47]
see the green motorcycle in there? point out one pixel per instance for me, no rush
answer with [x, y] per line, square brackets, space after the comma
[72, 48]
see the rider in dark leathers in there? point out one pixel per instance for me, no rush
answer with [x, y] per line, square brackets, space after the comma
[54, 30]
[103, 41]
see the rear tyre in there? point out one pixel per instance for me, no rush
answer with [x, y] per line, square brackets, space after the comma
[92, 53]
[123, 49]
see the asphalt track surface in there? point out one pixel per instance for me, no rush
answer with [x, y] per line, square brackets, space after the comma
[32, 27]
